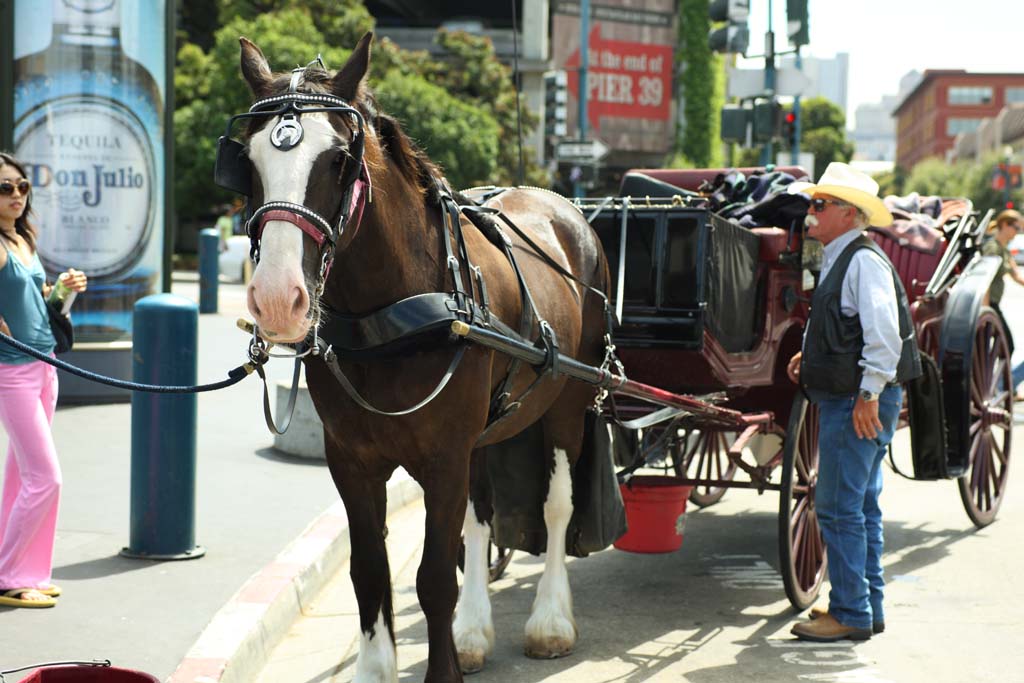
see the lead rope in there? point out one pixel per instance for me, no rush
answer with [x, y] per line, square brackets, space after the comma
[234, 376]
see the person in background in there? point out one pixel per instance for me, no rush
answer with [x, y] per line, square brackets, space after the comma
[225, 225]
[28, 397]
[858, 348]
[1004, 228]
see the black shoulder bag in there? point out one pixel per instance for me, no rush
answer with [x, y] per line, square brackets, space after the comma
[60, 326]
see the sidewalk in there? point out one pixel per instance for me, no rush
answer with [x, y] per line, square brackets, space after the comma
[266, 520]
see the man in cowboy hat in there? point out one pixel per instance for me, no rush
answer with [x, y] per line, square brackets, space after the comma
[858, 348]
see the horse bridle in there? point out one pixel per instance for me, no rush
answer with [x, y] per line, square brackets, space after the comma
[233, 170]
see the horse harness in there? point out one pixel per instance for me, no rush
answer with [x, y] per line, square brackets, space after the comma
[411, 322]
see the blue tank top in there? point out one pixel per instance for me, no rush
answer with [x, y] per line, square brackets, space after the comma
[22, 307]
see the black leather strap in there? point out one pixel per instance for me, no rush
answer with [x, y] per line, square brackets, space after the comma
[332, 363]
[289, 409]
[387, 331]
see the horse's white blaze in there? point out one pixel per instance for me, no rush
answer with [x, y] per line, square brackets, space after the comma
[285, 175]
[376, 662]
[473, 628]
[551, 629]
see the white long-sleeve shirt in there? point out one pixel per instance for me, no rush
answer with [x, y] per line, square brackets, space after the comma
[868, 291]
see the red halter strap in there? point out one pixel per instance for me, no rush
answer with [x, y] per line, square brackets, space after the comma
[295, 219]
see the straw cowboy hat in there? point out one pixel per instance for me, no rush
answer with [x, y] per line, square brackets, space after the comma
[853, 187]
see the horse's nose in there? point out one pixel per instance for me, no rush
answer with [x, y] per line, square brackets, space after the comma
[279, 311]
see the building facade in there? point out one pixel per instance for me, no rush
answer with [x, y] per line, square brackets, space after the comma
[829, 77]
[945, 104]
[874, 131]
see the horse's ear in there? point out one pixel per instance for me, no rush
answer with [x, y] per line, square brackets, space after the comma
[348, 79]
[255, 68]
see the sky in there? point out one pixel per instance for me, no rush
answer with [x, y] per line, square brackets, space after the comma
[885, 39]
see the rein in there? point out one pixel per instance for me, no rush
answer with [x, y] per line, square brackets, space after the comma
[234, 376]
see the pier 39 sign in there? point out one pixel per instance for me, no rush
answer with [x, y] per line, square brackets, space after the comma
[630, 69]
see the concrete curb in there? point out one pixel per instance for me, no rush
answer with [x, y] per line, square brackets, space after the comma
[235, 646]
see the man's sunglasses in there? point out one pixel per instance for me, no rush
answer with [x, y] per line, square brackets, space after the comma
[7, 187]
[819, 204]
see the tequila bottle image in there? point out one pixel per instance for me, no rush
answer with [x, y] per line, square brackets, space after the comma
[89, 127]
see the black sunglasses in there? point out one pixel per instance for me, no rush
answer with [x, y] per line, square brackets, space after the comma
[7, 187]
[819, 204]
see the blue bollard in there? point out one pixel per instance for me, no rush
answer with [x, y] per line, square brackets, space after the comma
[209, 269]
[163, 477]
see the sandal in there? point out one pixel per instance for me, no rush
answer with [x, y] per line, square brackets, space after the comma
[51, 591]
[15, 598]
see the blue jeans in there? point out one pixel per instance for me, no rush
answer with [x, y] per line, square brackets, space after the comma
[846, 500]
[1018, 374]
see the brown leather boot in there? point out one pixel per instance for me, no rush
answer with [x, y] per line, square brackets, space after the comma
[825, 629]
[876, 626]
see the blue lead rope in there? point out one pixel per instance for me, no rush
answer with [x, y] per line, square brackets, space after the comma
[234, 376]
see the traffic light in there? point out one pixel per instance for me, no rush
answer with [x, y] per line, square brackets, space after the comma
[735, 120]
[789, 129]
[734, 36]
[556, 103]
[767, 120]
[797, 22]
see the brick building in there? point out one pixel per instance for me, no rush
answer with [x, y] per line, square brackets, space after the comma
[946, 103]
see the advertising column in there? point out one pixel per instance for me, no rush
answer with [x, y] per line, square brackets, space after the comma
[88, 110]
[90, 78]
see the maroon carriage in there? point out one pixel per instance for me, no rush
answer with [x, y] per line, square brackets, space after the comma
[711, 310]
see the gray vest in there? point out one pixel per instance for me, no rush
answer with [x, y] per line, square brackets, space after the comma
[834, 342]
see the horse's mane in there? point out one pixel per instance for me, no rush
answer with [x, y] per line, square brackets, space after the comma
[411, 161]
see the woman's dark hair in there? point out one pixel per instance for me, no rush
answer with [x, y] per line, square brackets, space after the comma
[22, 225]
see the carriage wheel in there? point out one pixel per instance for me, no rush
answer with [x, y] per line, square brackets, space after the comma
[991, 426]
[705, 458]
[801, 547]
[498, 559]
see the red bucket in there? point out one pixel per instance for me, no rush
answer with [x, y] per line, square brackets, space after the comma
[89, 674]
[655, 514]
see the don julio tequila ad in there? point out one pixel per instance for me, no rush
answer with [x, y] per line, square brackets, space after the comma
[88, 109]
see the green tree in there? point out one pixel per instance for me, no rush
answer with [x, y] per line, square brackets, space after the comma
[464, 117]
[473, 72]
[702, 85]
[891, 182]
[823, 133]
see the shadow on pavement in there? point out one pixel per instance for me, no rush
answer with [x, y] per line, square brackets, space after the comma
[98, 568]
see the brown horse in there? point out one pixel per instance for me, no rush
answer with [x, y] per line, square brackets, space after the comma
[395, 249]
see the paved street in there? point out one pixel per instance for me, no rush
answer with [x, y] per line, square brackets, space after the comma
[715, 612]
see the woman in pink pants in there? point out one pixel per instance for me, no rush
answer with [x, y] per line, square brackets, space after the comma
[28, 396]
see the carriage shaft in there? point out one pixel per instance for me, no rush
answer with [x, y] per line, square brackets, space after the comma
[536, 356]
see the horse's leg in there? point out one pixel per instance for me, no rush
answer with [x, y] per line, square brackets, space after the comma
[473, 628]
[444, 498]
[365, 502]
[551, 629]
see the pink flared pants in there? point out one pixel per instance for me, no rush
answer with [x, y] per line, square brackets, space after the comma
[32, 478]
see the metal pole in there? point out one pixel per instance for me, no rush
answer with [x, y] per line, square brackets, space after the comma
[163, 470]
[603, 378]
[7, 74]
[797, 119]
[209, 254]
[584, 92]
[769, 79]
[170, 214]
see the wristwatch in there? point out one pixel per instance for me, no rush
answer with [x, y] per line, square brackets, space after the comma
[867, 396]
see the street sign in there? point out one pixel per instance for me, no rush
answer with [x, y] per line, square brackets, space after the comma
[744, 83]
[585, 150]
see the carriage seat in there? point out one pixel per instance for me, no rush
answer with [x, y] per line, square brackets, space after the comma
[914, 250]
[773, 242]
